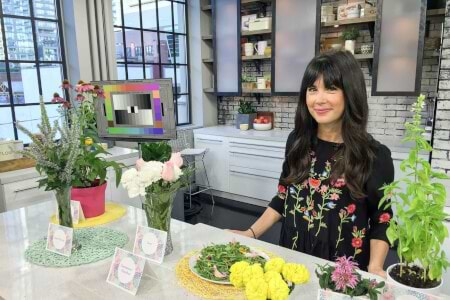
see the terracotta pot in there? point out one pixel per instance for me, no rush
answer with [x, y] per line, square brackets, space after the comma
[430, 291]
[92, 199]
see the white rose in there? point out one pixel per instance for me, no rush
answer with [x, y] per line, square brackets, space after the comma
[129, 176]
[150, 172]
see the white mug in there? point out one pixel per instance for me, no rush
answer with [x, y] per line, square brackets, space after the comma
[262, 45]
[248, 49]
[261, 83]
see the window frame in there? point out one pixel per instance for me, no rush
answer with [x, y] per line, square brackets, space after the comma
[124, 63]
[37, 62]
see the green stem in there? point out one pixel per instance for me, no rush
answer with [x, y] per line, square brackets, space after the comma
[64, 212]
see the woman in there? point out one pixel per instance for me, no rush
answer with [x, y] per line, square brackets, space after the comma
[329, 188]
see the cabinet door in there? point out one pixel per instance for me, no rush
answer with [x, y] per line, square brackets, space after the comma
[253, 183]
[24, 193]
[216, 161]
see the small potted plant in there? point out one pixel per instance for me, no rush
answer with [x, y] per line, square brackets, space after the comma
[248, 82]
[89, 178]
[342, 281]
[418, 225]
[246, 114]
[350, 35]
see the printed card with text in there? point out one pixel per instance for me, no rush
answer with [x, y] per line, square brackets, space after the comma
[150, 243]
[77, 211]
[126, 271]
[59, 239]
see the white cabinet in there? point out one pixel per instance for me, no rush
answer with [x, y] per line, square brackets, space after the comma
[23, 193]
[216, 161]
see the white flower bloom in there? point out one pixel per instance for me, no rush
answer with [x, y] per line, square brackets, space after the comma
[177, 172]
[129, 176]
[150, 172]
[133, 190]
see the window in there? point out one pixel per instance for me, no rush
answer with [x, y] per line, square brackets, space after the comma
[31, 63]
[151, 42]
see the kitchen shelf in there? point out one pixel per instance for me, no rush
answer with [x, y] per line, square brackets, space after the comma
[207, 37]
[208, 60]
[256, 57]
[256, 91]
[206, 7]
[369, 19]
[208, 90]
[363, 56]
[256, 32]
[436, 12]
[254, 1]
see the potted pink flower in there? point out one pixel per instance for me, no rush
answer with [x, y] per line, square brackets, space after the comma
[343, 281]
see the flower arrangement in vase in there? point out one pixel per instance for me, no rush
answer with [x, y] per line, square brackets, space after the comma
[55, 159]
[275, 280]
[418, 224]
[343, 278]
[157, 181]
[90, 170]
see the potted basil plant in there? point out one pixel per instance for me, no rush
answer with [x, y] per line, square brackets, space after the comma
[246, 114]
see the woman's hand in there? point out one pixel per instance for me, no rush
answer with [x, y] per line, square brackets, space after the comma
[246, 233]
[377, 271]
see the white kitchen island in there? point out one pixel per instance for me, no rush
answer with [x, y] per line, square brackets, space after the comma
[22, 280]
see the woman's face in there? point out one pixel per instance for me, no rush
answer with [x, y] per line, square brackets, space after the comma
[326, 106]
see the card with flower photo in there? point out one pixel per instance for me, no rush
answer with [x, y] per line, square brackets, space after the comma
[126, 271]
[150, 243]
[59, 239]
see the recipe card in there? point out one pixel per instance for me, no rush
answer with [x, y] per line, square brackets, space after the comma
[150, 243]
[77, 211]
[59, 239]
[126, 271]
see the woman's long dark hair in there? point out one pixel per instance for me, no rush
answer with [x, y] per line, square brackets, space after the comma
[355, 157]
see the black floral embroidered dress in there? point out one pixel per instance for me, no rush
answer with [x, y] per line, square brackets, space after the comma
[319, 216]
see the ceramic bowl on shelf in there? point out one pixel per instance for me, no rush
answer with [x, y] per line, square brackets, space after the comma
[257, 126]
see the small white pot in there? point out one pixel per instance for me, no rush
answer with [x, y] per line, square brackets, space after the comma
[431, 291]
[330, 295]
[350, 46]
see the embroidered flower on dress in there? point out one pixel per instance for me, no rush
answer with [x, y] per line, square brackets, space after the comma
[334, 197]
[357, 242]
[315, 183]
[351, 208]
[385, 217]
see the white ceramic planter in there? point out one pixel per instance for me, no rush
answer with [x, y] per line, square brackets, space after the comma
[330, 295]
[431, 291]
[350, 46]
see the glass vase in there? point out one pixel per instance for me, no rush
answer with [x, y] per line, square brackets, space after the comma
[158, 210]
[65, 213]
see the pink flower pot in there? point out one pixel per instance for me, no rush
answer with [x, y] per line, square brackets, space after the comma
[92, 199]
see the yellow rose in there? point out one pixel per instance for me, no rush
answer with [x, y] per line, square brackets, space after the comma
[236, 271]
[252, 272]
[296, 273]
[275, 264]
[270, 275]
[256, 289]
[278, 289]
[88, 141]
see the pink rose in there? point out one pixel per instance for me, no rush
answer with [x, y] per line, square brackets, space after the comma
[139, 163]
[176, 159]
[168, 173]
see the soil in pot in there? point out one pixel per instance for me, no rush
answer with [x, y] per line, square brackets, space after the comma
[412, 277]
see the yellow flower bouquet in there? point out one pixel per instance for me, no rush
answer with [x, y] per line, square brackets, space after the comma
[274, 281]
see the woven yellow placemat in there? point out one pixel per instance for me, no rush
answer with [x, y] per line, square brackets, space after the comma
[202, 288]
[113, 211]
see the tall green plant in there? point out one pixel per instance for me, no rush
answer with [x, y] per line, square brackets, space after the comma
[54, 158]
[245, 107]
[418, 224]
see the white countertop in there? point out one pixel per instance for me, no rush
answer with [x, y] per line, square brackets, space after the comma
[281, 136]
[22, 280]
[116, 154]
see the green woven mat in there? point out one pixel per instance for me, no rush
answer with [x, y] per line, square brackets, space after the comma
[97, 243]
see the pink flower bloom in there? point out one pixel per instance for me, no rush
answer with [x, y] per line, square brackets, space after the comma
[66, 84]
[57, 98]
[324, 189]
[101, 94]
[139, 163]
[343, 275]
[281, 189]
[168, 173]
[351, 208]
[84, 87]
[176, 159]
[80, 97]
[385, 217]
[334, 197]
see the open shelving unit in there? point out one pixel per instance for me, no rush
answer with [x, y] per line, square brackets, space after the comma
[256, 32]
[337, 23]
[256, 57]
